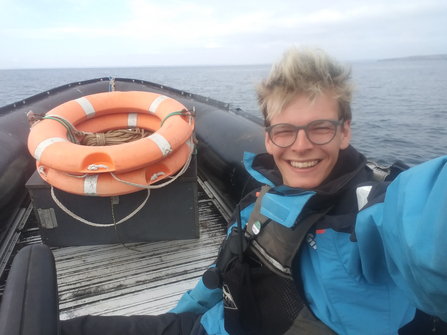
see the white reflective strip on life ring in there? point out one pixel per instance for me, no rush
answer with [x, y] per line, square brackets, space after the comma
[87, 107]
[90, 183]
[156, 103]
[132, 120]
[162, 143]
[45, 144]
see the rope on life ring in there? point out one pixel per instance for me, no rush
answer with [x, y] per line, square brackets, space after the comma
[93, 224]
[114, 137]
[100, 225]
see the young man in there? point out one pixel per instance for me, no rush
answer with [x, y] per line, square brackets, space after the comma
[327, 248]
[331, 249]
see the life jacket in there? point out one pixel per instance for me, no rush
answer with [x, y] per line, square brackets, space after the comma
[260, 295]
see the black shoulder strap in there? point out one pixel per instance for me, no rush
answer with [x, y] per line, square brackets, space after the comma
[275, 244]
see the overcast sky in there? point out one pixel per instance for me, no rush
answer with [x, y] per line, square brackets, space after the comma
[127, 33]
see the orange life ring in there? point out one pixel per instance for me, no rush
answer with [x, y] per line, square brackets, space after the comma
[49, 144]
[105, 185]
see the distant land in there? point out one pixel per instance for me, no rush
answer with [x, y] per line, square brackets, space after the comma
[430, 57]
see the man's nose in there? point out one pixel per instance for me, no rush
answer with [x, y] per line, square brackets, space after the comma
[302, 143]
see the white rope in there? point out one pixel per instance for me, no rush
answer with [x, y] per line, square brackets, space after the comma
[41, 170]
[75, 176]
[156, 175]
[95, 167]
[100, 225]
[148, 187]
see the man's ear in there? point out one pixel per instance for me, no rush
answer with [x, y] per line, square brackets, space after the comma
[345, 135]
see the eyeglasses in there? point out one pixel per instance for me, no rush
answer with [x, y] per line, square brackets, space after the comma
[318, 132]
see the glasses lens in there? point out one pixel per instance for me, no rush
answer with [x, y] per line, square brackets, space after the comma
[283, 135]
[321, 132]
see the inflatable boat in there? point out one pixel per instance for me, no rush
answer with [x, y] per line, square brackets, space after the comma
[166, 269]
[222, 136]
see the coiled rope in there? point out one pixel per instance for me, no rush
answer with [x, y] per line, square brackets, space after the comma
[111, 137]
[114, 137]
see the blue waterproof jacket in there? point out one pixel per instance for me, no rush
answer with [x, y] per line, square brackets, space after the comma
[369, 263]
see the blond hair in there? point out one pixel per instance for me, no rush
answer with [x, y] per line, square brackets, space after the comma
[308, 72]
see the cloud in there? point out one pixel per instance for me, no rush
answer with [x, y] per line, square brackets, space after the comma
[59, 33]
[212, 45]
[248, 31]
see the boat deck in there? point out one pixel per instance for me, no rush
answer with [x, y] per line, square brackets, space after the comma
[138, 278]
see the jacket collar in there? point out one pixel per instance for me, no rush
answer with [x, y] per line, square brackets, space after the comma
[345, 174]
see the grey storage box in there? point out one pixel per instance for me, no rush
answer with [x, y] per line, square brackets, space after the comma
[171, 213]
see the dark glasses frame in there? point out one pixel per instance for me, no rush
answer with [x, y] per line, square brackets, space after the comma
[305, 127]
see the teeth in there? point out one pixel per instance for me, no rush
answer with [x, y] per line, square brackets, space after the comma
[302, 165]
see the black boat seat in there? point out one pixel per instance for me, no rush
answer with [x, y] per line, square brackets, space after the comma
[30, 303]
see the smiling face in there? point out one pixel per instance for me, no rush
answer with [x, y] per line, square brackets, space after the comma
[304, 164]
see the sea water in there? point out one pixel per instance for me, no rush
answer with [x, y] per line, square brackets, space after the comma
[399, 107]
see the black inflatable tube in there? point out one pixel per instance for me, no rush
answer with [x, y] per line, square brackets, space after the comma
[30, 304]
[222, 140]
[15, 166]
